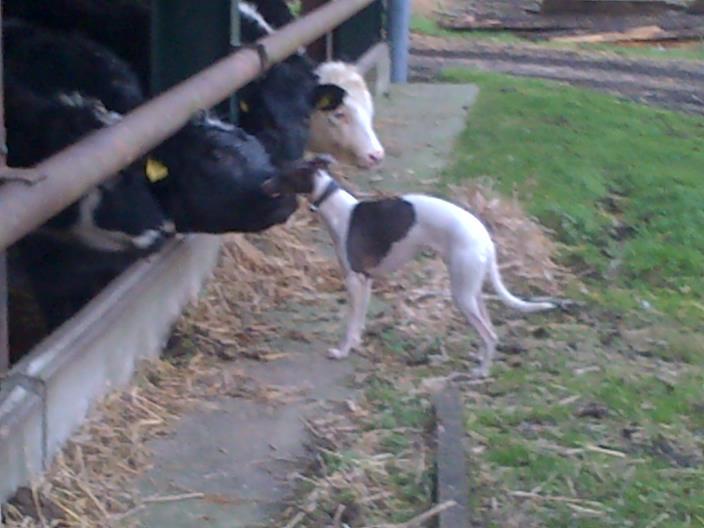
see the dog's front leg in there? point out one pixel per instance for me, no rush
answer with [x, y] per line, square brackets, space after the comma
[359, 290]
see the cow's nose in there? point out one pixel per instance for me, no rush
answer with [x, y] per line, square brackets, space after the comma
[375, 157]
[149, 240]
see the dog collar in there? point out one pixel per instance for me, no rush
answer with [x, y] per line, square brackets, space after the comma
[330, 188]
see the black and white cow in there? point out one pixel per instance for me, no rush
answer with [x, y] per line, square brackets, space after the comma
[75, 253]
[53, 61]
[340, 122]
[276, 108]
[120, 25]
[274, 13]
[207, 177]
[211, 180]
[119, 214]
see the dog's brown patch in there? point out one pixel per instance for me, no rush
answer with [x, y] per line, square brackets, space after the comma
[374, 227]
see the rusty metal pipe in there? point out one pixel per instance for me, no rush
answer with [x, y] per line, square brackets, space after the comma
[74, 170]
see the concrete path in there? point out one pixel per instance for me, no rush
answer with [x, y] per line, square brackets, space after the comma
[240, 454]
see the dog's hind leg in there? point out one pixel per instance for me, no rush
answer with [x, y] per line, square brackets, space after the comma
[472, 312]
[466, 279]
[359, 290]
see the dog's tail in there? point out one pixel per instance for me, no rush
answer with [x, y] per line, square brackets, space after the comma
[510, 300]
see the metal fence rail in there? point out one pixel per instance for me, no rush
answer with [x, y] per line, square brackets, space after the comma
[73, 171]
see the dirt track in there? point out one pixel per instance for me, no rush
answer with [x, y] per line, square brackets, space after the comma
[674, 84]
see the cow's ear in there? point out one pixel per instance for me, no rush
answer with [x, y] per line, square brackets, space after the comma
[327, 97]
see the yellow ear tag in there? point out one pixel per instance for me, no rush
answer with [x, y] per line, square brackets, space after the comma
[156, 170]
[324, 102]
[244, 106]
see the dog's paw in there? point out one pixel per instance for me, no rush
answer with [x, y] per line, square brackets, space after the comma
[336, 353]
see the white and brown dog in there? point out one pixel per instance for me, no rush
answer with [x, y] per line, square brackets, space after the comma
[375, 237]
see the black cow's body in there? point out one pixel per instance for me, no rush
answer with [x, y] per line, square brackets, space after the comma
[209, 176]
[121, 25]
[54, 62]
[275, 12]
[279, 104]
[119, 214]
[214, 181]
[214, 170]
[74, 254]
[277, 107]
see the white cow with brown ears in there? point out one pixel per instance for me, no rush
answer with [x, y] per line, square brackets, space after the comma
[342, 125]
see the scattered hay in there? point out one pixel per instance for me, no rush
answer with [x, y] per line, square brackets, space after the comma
[525, 250]
[91, 482]
[258, 273]
[350, 482]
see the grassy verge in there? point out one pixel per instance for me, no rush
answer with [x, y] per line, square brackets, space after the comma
[600, 421]
[427, 26]
[618, 182]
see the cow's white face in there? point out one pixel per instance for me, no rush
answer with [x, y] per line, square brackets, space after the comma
[345, 130]
[347, 133]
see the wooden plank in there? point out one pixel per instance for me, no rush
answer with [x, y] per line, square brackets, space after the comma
[608, 7]
[638, 33]
[696, 7]
[514, 23]
[452, 476]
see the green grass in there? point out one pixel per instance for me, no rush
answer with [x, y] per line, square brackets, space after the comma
[619, 183]
[427, 26]
[693, 52]
[582, 163]
[533, 441]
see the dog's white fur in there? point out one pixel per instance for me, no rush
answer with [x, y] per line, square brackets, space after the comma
[455, 234]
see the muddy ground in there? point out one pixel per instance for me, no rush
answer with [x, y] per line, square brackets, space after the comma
[674, 84]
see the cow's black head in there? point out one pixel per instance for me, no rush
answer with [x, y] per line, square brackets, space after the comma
[276, 109]
[117, 215]
[208, 178]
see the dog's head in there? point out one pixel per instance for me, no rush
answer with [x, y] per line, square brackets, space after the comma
[298, 177]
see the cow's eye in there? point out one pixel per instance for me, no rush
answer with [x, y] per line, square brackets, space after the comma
[270, 123]
[216, 155]
[339, 115]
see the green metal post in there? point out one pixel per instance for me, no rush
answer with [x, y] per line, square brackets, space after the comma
[4, 339]
[187, 36]
[355, 36]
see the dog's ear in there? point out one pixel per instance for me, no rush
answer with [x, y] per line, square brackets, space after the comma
[307, 167]
[327, 97]
[300, 175]
[321, 161]
[272, 187]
